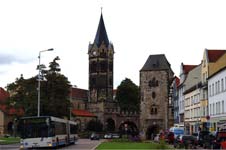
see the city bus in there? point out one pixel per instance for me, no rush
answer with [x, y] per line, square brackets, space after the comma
[46, 131]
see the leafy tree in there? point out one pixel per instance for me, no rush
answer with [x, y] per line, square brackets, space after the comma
[127, 96]
[23, 94]
[95, 125]
[55, 89]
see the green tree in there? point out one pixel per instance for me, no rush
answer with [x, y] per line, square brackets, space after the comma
[55, 89]
[23, 94]
[127, 96]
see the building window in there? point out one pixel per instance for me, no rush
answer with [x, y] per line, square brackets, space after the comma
[222, 106]
[209, 90]
[222, 85]
[225, 83]
[210, 109]
[215, 88]
[78, 106]
[218, 86]
[212, 89]
[217, 108]
[203, 76]
[154, 110]
[153, 95]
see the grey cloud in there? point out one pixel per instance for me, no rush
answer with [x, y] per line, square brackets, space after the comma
[6, 59]
[2, 72]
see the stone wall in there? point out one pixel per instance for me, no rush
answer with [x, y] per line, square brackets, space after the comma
[154, 99]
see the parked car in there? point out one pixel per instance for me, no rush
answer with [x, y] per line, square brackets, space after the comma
[196, 135]
[220, 140]
[186, 141]
[112, 136]
[205, 139]
[108, 136]
[116, 136]
[94, 136]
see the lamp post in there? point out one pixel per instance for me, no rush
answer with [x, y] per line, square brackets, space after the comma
[39, 77]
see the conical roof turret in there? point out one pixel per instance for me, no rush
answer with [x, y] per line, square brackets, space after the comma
[101, 35]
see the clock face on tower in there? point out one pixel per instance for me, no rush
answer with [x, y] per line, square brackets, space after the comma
[94, 53]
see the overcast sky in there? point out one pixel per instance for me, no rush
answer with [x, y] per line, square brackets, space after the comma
[137, 28]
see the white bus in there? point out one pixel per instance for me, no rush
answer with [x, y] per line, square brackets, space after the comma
[46, 131]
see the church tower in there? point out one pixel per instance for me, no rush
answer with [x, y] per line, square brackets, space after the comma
[101, 56]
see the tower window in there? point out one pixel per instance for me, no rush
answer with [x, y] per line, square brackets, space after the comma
[154, 110]
[110, 81]
[153, 95]
[103, 54]
[93, 81]
[103, 66]
[93, 67]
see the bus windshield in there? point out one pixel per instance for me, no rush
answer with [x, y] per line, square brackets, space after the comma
[34, 127]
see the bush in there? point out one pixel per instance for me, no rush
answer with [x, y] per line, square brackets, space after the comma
[162, 145]
[84, 134]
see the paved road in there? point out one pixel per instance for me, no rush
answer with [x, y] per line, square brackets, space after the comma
[10, 147]
[83, 144]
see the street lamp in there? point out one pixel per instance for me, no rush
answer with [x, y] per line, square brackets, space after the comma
[39, 76]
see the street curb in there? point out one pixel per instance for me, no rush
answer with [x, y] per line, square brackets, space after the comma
[97, 145]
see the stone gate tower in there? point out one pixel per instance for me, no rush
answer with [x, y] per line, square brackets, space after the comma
[155, 79]
[101, 58]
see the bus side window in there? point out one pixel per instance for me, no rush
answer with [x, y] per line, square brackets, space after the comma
[52, 130]
[73, 129]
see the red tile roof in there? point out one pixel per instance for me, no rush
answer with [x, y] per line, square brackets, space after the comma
[3, 95]
[214, 55]
[82, 113]
[11, 110]
[80, 94]
[188, 68]
[177, 81]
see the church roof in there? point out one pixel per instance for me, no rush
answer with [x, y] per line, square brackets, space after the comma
[79, 94]
[156, 62]
[101, 35]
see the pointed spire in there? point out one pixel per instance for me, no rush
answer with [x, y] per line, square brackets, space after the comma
[101, 35]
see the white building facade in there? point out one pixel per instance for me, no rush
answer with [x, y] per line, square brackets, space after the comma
[217, 99]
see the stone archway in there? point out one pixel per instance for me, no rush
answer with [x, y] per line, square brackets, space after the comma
[129, 128]
[110, 125]
[152, 130]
